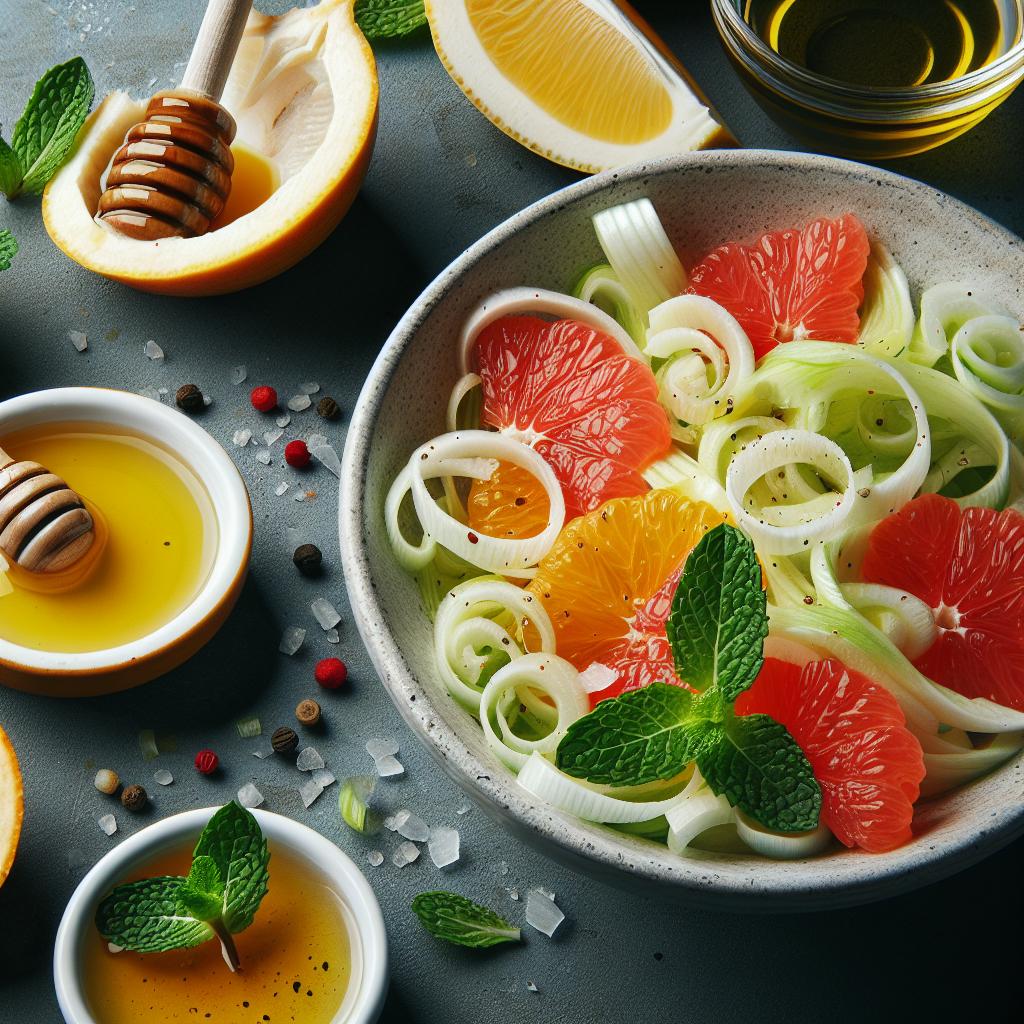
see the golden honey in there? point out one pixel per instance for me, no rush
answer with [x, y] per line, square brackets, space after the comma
[296, 961]
[253, 182]
[156, 534]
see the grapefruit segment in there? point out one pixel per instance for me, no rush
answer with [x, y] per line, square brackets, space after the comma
[608, 583]
[793, 285]
[967, 565]
[570, 392]
[11, 805]
[868, 764]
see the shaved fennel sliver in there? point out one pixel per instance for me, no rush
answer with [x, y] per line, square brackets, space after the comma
[782, 845]
[467, 623]
[528, 676]
[697, 810]
[601, 286]
[944, 771]
[513, 301]
[640, 253]
[987, 355]
[945, 308]
[887, 314]
[464, 386]
[691, 332]
[678, 472]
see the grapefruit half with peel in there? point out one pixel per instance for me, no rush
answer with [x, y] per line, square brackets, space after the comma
[967, 565]
[608, 583]
[12, 806]
[868, 763]
[794, 285]
[571, 393]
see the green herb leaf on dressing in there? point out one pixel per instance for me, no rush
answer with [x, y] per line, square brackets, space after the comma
[449, 916]
[387, 19]
[148, 917]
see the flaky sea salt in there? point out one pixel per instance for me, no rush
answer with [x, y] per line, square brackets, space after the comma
[309, 758]
[387, 767]
[328, 457]
[79, 340]
[412, 826]
[324, 777]
[464, 809]
[270, 436]
[283, 420]
[443, 846]
[404, 854]
[325, 613]
[531, 987]
[299, 496]
[375, 858]
[238, 374]
[299, 403]
[310, 791]
[315, 440]
[108, 823]
[163, 777]
[542, 912]
[250, 796]
[241, 437]
[332, 636]
[513, 894]
[291, 640]
[153, 351]
[381, 748]
[281, 488]
[261, 754]
[310, 388]
[263, 455]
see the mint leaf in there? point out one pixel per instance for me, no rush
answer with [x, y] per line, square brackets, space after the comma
[761, 770]
[386, 19]
[8, 249]
[233, 841]
[719, 619]
[46, 130]
[449, 916]
[639, 737]
[147, 917]
[203, 892]
[10, 169]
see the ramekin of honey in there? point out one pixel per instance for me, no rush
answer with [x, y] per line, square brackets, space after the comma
[173, 533]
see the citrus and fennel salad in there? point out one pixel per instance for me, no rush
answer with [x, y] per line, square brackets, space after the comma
[734, 547]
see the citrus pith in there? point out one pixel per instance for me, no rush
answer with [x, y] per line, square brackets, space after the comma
[12, 806]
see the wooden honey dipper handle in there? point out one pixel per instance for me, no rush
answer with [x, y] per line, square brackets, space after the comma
[44, 525]
[172, 176]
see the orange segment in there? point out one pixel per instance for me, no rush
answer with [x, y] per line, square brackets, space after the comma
[12, 806]
[511, 504]
[609, 580]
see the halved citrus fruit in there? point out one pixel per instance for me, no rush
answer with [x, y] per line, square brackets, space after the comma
[12, 806]
[967, 565]
[793, 285]
[570, 392]
[303, 90]
[586, 84]
[609, 580]
[868, 763]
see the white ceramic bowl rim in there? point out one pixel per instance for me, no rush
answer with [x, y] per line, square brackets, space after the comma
[171, 429]
[335, 865]
[840, 880]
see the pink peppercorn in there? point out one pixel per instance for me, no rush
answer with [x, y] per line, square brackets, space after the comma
[296, 454]
[331, 673]
[206, 762]
[263, 398]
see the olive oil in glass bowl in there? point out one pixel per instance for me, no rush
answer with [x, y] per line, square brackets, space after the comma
[875, 78]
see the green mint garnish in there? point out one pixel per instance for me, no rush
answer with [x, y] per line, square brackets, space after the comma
[8, 249]
[46, 130]
[387, 19]
[449, 916]
[717, 627]
[224, 888]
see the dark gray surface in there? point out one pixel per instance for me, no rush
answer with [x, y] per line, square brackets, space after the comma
[441, 176]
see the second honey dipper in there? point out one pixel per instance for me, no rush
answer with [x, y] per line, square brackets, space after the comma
[172, 176]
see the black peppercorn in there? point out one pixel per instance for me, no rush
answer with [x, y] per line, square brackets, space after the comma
[134, 798]
[328, 408]
[308, 559]
[189, 398]
[284, 740]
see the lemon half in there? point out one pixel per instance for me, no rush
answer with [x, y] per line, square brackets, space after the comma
[11, 805]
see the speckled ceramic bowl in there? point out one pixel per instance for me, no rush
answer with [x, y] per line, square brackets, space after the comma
[703, 199]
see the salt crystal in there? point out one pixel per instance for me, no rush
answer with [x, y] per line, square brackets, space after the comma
[308, 759]
[375, 858]
[443, 846]
[325, 612]
[328, 457]
[464, 809]
[531, 987]
[163, 777]
[153, 351]
[542, 912]
[513, 894]
[207, 401]
[596, 677]
[291, 640]
[281, 488]
[324, 776]
[332, 636]
[413, 827]
[315, 440]
[151, 393]
[261, 754]
[250, 796]
[503, 868]
[108, 823]
[311, 388]
[406, 853]
[164, 391]
[79, 340]
[238, 374]
[299, 496]
[242, 437]
[264, 456]
[270, 436]
[310, 791]
[283, 420]
[389, 766]
[381, 748]
[299, 403]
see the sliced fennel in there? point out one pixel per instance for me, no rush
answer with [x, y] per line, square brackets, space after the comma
[949, 769]
[887, 314]
[464, 399]
[945, 308]
[782, 845]
[601, 286]
[679, 472]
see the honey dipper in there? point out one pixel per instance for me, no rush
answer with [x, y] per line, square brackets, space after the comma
[172, 176]
[44, 525]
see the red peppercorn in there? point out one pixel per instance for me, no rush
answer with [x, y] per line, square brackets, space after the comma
[263, 398]
[206, 762]
[331, 673]
[296, 454]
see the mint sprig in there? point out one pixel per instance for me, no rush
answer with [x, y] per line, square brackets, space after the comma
[220, 896]
[46, 130]
[456, 919]
[716, 627]
[8, 248]
[388, 19]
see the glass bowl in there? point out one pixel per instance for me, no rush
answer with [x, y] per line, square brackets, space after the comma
[862, 121]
